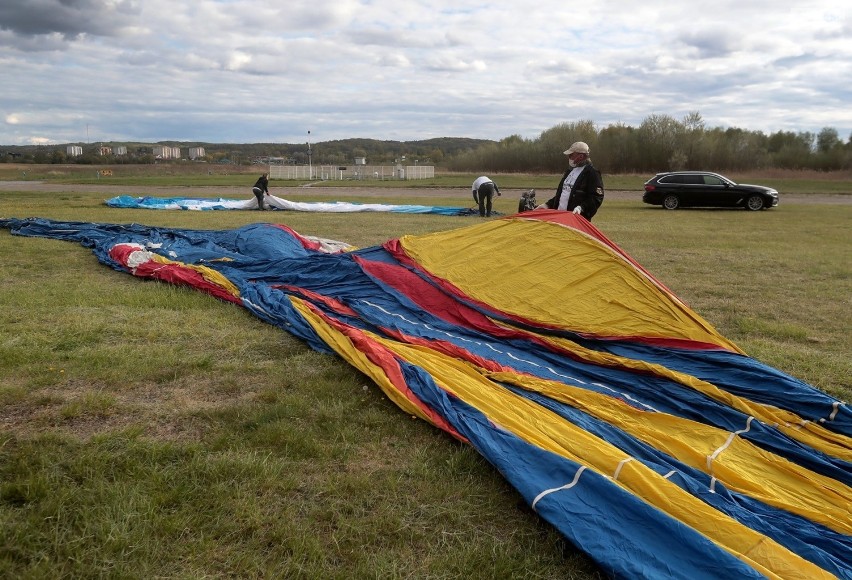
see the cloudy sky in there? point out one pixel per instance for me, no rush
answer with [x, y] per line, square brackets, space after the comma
[244, 71]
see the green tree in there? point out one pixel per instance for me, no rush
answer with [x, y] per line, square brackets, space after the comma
[41, 156]
[617, 145]
[691, 144]
[831, 154]
[790, 150]
[658, 141]
[555, 140]
[828, 139]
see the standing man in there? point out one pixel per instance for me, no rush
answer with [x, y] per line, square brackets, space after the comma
[483, 191]
[261, 188]
[581, 189]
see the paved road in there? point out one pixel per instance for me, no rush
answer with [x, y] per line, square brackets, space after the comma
[336, 192]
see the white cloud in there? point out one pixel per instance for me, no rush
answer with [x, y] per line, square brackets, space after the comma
[261, 70]
[238, 60]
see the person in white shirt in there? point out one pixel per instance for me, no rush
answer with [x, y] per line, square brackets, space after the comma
[581, 189]
[483, 190]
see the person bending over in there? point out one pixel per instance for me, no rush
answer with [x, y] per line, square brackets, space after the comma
[483, 190]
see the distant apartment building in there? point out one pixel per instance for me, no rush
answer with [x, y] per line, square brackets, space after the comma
[104, 151]
[165, 152]
[74, 150]
[121, 150]
[196, 152]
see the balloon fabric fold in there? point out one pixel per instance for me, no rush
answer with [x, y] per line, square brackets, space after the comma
[650, 441]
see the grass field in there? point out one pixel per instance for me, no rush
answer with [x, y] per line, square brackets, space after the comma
[150, 431]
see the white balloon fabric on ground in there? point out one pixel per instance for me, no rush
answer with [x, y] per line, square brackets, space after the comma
[278, 203]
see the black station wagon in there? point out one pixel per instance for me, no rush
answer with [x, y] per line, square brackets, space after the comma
[703, 189]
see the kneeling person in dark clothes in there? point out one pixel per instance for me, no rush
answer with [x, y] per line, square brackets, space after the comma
[261, 188]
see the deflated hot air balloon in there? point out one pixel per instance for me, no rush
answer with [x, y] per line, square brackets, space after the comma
[620, 415]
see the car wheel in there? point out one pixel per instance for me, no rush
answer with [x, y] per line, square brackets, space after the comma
[754, 203]
[671, 202]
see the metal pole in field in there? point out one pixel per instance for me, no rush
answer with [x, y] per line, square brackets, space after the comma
[310, 167]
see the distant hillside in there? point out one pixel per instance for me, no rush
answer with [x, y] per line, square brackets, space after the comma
[343, 151]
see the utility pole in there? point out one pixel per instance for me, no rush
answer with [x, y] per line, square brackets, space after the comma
[310, 167]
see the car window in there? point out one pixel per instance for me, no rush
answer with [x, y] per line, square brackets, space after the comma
[712, 180]
[672, 179]
[693, 180]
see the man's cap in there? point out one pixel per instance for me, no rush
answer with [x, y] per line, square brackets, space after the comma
[578, 147]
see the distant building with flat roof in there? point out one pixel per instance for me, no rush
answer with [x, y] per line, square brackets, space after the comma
[166, 152]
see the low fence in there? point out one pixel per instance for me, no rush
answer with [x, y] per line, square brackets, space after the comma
[357, 172]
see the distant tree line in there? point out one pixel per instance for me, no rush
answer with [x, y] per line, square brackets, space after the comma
[659, 143]
[662, 143]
